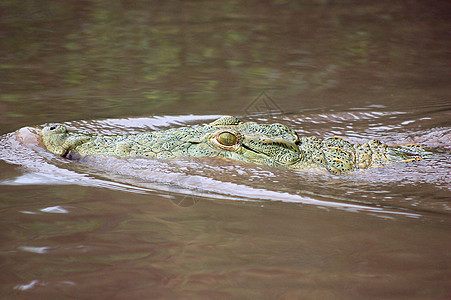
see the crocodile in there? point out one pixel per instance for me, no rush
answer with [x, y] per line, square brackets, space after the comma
[228, 137]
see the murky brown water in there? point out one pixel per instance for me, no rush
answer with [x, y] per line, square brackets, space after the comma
[207, 228]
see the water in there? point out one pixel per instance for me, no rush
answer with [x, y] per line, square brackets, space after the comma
[209, 228]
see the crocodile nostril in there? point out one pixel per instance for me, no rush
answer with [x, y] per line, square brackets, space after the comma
[53, 127]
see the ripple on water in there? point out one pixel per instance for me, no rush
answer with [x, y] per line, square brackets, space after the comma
[395, 186]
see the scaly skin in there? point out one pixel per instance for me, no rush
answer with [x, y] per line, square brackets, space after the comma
[228, 137]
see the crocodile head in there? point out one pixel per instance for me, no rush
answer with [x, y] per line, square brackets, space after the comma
[227, 137]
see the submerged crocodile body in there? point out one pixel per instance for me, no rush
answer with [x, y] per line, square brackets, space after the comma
[228, 137]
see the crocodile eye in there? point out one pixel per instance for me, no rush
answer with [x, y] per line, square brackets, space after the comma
[227, 139]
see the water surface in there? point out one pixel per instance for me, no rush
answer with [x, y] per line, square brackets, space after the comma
[210, 228]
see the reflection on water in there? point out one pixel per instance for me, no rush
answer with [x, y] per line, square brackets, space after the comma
[92, 60]
[207, 228]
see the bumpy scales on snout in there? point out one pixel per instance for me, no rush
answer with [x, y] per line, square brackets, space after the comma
[228, 137]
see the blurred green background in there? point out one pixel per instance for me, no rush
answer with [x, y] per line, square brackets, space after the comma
[70, 60]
